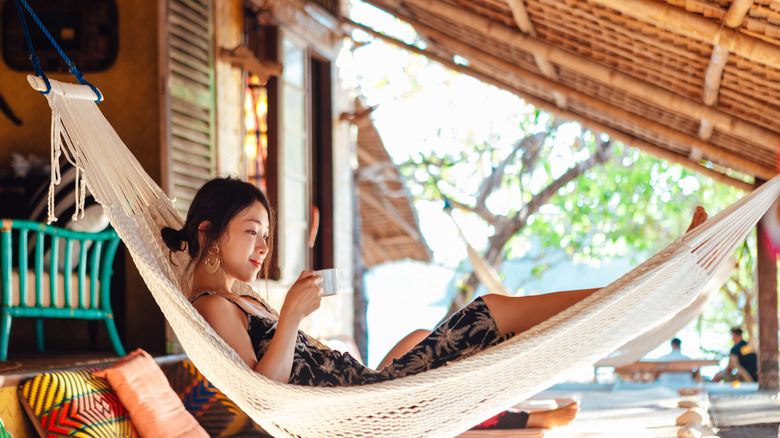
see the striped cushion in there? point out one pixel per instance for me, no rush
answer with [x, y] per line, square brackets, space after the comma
[4, 433]
[216, 413]
[75, 403]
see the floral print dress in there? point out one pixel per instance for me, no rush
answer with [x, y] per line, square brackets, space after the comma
[468, 331]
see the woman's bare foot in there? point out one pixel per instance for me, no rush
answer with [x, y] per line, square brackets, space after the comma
[699, 216]
[553, 418]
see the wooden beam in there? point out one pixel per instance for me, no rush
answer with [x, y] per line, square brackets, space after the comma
[397, 240]
[736, 162]
[390, 211]
[705, 130]
[768, 377]
[714, 74]
[365, 158]
[521, 17]
[652, 93]
[712, 80]
[242, 56]
[737, 13]
[526, 26]
[718, 60]
[678, 20]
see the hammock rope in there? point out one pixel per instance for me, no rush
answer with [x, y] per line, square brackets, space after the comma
[21, 6]
[41, 83]
[438, 403]
[484, 271]
[637, 348]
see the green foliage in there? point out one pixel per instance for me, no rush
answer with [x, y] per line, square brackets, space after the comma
[632, 205]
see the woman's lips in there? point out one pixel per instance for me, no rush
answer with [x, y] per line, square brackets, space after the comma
[257, 263]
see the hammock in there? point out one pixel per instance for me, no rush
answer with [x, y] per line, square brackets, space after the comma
[438, 403]
[648, 341]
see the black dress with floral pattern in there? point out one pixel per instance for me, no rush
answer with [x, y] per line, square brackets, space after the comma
[468, 331]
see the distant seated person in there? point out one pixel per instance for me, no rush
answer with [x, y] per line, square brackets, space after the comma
[676, 353]
[677, 377]
[743, 361]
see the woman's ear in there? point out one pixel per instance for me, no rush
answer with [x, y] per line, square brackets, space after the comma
[203, 227]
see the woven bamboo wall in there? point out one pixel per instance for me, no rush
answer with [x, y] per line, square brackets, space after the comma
[390, 227]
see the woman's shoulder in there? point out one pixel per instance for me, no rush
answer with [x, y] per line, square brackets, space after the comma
[206, 301]
[219, 302]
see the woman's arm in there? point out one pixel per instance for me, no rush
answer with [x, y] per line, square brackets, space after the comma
[301, 300]
[230, 323]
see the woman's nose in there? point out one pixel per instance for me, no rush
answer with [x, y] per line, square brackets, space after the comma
[261, 247]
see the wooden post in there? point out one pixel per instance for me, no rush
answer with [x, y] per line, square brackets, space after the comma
[768, 378]
[360, 304]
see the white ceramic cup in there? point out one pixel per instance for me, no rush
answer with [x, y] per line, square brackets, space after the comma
[330, 281]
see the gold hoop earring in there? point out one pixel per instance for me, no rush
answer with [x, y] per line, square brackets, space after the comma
[212, 266]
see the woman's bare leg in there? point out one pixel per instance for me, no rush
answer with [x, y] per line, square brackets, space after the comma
[518, 314]
[403, 346]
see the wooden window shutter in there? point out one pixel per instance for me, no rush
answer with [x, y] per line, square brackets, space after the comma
[191, 97]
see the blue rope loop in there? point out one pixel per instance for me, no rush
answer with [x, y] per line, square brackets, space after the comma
[33, 57]
[36, 63]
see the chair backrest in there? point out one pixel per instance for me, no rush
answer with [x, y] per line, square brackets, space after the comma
[32, 274]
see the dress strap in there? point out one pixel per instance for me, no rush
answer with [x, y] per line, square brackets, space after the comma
[253, 307]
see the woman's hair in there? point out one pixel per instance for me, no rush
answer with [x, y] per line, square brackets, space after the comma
[217, 202]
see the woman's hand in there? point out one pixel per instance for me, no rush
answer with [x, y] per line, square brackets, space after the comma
[303, 298]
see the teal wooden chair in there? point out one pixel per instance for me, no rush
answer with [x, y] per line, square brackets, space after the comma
[69, 276]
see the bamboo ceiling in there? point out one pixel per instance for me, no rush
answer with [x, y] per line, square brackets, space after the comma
[695, 82]
[390, 228]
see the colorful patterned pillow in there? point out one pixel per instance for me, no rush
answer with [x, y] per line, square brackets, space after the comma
[4, 433]
[154, 407]
[214, 411]
[74, 403]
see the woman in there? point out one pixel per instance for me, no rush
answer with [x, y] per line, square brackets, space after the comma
[227, 236]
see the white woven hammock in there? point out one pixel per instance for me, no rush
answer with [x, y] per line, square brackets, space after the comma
[438, 403]
[649, 340]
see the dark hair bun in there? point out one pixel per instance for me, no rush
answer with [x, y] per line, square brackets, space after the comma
[174, 239]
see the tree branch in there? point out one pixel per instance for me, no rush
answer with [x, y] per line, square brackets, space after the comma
[529, 144]
[504, 230]
[603, 153]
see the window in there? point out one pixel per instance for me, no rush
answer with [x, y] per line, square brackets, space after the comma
[256, 141]
[289, 154]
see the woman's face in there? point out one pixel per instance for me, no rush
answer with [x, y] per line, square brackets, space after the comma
[244, 245]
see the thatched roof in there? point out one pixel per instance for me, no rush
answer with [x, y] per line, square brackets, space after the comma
[391, 230]
[696, 82]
